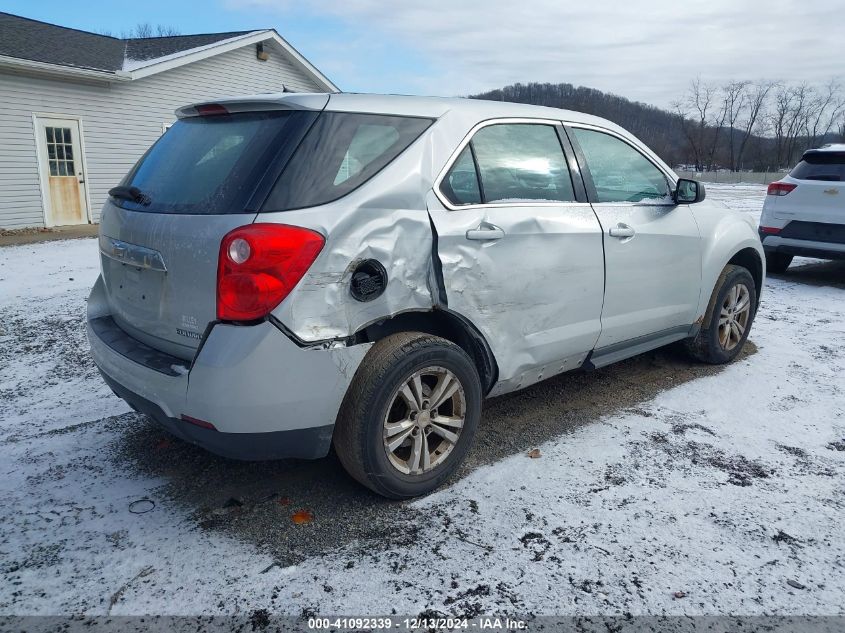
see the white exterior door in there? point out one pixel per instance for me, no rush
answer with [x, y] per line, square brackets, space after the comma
[62, 177]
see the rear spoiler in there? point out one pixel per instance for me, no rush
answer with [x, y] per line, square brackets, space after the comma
[257, 103]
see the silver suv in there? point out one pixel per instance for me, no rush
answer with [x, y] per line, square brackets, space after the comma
[284, 272]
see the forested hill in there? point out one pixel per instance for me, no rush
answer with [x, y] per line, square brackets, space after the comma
[658, 129]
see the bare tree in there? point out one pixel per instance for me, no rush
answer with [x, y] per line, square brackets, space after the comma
[805, 95]
[687, 127]
[694, 112]
[789, 118]
[145, 29]
[716, 123]
[736, 100]
[823, 111]
[757, 95]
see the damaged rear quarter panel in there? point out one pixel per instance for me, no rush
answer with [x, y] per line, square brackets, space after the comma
[384, 220]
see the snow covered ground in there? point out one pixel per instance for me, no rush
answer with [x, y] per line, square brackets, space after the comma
[722, 494]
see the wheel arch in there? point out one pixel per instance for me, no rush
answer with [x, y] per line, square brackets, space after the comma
[446, 324]
[750, 259]
[728, 239]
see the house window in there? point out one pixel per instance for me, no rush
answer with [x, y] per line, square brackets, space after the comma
[60, 151]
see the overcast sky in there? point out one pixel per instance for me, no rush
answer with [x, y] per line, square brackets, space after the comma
[643, 50]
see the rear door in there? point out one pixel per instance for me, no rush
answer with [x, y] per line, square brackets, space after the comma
[652, 246]
[520, 248]
[820, 194]
[160, 235]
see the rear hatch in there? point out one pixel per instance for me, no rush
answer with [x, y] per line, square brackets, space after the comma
[161, 229]
[820, 192]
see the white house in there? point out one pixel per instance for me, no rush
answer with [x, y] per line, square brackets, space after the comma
[77, 109]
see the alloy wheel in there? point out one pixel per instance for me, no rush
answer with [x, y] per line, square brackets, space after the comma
[424, 420]
[734, 316]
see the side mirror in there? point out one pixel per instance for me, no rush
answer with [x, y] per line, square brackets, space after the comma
[689, 191]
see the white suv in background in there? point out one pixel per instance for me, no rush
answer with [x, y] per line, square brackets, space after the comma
[804, 212]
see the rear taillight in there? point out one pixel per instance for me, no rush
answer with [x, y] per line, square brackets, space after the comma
[780, 188]
[769, 230]
[259, 265]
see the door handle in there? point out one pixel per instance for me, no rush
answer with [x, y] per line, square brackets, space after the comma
[622, 231]
[485, 231]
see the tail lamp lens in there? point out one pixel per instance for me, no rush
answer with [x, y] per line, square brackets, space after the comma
[780, 188]
[259, 265]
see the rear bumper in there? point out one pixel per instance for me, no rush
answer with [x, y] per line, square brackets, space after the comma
[310, 443]
[803, 248]
[266, 397]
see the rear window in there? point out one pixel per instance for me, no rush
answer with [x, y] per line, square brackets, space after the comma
[821, 166]
[341, 152]
[212, 164]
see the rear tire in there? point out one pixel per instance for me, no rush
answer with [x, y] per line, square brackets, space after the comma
[777, 262]
[728, 320]
[409, 416]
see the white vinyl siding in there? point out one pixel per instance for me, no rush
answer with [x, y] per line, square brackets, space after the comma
[119, 120]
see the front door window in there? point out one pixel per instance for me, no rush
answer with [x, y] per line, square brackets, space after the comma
[620, 173]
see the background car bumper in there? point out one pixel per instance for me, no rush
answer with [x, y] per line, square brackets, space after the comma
[803, 248]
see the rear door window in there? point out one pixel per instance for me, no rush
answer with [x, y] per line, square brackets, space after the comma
[341, 152]
[621, 173]
[825, 166]
[211, 164]
[460, 186]
[522, 162]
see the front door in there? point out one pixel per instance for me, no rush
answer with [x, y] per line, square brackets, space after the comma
[652, 246]
[62, 178]
[521, 256]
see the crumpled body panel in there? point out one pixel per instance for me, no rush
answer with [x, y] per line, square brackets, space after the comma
[384, 220]
[536, 294]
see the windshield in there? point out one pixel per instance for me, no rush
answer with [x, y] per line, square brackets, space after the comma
[211, 164]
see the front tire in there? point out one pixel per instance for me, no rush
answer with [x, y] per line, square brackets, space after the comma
[728, 320]
[777, 262]
[409, 416]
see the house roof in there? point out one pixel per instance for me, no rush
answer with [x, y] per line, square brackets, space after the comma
[48, 47]
[41, 42]
[147, 48]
